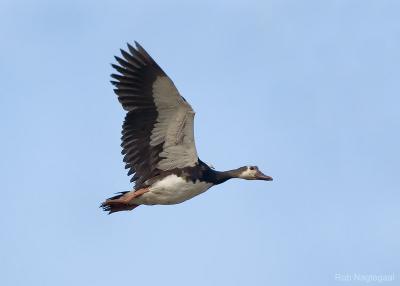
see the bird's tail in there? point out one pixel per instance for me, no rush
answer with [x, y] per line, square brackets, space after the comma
[114, 204]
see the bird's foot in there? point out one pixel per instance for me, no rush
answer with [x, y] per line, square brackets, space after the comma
[124, 202]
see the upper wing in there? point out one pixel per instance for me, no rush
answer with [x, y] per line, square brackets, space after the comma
[158, 128]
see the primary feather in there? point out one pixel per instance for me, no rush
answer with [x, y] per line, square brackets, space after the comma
[157, 133]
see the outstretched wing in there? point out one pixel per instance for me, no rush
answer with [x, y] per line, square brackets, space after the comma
[157, 132]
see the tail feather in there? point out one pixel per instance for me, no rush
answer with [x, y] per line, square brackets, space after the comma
[118, 195]
[113, 204]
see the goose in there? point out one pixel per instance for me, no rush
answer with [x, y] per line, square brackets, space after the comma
[158, 138]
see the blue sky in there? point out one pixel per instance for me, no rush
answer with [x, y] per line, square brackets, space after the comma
[306, 90]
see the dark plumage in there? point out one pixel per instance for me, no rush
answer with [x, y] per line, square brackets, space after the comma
[134, 89]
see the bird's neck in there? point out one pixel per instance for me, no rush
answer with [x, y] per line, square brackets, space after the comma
[223, 176]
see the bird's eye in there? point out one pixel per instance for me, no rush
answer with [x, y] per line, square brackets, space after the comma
[251, 168]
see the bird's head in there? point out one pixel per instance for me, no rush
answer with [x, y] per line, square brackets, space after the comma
[253, 173]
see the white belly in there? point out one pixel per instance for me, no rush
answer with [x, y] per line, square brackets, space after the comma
[172, 190]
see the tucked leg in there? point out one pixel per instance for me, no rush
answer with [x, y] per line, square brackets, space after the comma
[123, 202]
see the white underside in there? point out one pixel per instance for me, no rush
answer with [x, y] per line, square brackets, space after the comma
[172, 190]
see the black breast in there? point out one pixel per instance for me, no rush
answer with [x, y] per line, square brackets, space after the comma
[204, 173]
[201, 172]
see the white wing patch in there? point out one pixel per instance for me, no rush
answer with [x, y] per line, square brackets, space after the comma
[174, 126]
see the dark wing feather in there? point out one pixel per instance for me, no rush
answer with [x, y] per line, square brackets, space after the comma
[145, 92]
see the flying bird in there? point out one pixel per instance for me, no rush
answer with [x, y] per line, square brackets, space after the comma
[158, 138]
